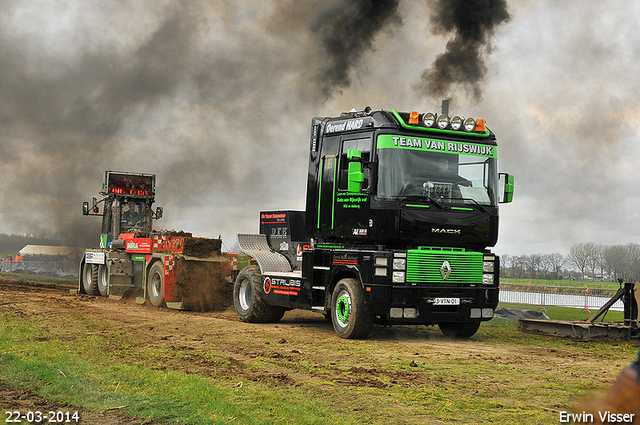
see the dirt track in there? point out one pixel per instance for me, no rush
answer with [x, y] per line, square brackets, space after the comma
[300, 336]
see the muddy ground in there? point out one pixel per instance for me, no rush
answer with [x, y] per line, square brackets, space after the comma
[298, 337]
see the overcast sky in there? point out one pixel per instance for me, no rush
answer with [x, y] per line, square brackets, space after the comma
[216, 99]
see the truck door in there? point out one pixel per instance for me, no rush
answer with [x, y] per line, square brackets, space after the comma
[352, 206]
[326, 190]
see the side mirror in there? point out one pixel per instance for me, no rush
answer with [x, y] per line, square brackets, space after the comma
[158, 213]
[85, 208]
[506, 188]
[356, 176]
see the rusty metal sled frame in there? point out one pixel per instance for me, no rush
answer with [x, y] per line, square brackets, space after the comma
[585, 330]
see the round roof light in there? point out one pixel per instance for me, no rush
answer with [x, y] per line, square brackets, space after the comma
[429, 119]
[469, 125]
[443, 121]
[456, 123]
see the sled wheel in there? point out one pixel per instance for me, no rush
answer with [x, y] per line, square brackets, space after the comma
[350, 316]
[90, 279]
[248, 298]
[461, 330]
[103, 280]
[155, 285]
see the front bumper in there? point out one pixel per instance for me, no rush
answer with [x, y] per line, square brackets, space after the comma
[431, 304]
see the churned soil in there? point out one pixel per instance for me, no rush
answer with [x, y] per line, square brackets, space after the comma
[202, 285]
[201, 247]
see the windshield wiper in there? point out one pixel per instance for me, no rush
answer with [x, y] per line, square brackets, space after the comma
[434, 201]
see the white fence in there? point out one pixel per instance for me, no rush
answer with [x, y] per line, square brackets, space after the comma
[588, 299]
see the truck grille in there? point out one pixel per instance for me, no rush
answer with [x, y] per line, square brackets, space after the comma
[429, 265]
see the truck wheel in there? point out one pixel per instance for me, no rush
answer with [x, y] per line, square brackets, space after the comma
[90, 279]
[349, 314]
[462, 330]
[155, 284]
[248, 301]
[103, 280]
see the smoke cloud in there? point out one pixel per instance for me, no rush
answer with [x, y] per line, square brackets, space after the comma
[216, 98]
[199, 93]
[346, 29]
[471, 23]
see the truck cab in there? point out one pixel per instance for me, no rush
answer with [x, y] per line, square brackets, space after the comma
[401, 210]
[410, 187]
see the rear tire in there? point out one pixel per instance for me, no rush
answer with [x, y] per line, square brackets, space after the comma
[90, 279]
[350, 316]
[463, 330]
[155, 285]
[103, 280]
[248, 298]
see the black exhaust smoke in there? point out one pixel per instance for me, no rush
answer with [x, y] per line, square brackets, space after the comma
[346, 29]
[472, 23]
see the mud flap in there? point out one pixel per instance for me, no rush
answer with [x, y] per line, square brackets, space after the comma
[269, 260]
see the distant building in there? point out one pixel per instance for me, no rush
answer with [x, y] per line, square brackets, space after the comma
[47, 253]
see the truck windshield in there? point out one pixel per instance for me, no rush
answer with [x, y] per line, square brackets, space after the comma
[436, 176]
[135, 216]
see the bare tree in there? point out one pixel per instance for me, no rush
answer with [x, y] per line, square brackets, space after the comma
[505, 265]
[518, 265]
[600, 262]
[616, 258]
[593, 253]
[612, 261]
[579, 257]
[634, 262]
[554, 262]
[535, 262]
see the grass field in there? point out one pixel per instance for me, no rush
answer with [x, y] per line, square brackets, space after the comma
[295, 372]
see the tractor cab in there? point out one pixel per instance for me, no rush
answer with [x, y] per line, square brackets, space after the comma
[127, 206]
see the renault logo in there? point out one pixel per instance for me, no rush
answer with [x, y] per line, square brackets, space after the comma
[445, 270]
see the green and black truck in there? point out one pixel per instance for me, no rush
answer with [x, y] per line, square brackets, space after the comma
[401, 210]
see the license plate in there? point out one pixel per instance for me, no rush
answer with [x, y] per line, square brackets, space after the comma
[447, 301]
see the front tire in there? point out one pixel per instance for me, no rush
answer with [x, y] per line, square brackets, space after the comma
[90, 279]
[463, 330]
[155, 285]
[103, 280]
[248, 298]
[350, 316]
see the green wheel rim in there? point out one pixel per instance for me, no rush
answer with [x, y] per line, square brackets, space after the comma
[343, 308]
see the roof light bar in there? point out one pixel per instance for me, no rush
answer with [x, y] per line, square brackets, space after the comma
[444, 122]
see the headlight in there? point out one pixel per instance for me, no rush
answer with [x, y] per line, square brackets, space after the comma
[399, 263]
[469, 125]
[487, 312]
[487, 279]
[488, 267]
[456, 123]
[381, 261]
[443, 121]
[429, 119]
[398, 277]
